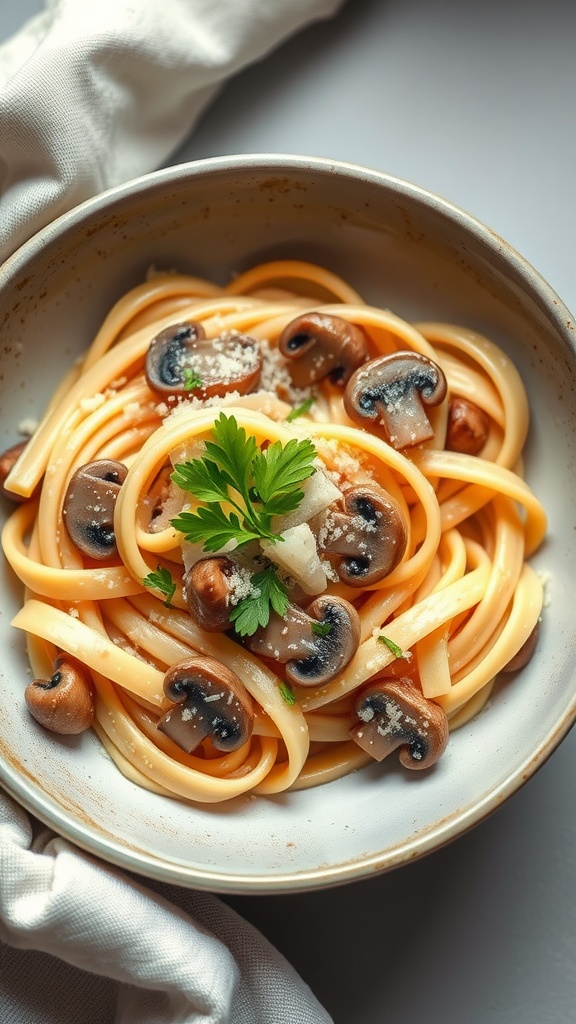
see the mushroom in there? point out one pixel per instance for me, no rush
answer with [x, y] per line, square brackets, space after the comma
[319, 345]
[369, 537]
[8, 460]
[207, 589]
[65, 702]
[467, 428]
[182, 362]
[88, 509]
[394, 390]
[394, 713]
[524, 654]
[209, 700]
[315, 644]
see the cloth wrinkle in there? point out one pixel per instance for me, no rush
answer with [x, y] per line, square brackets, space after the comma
[92, 95]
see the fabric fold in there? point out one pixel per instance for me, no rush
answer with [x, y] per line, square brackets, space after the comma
[92, 95]
[183, 960]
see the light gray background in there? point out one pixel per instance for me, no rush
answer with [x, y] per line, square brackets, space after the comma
[475, 101]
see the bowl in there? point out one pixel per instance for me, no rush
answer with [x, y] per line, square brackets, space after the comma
[400, 247]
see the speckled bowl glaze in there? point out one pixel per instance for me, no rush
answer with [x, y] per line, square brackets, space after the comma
[403, 248]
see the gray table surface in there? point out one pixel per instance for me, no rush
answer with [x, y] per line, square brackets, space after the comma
[475, 101]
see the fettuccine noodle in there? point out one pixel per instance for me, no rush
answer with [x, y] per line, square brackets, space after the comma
[451, 614]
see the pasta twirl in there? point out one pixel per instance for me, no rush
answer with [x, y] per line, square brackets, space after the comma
[282, 531]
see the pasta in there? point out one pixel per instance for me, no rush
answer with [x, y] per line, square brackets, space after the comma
[378, 581]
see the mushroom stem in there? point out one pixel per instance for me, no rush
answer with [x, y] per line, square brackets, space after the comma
[315, 644]
[394, 389]
[394, 714]
[369, 537]
[319, 345]
[208, 700]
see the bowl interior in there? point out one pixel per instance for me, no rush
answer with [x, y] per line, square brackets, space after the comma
[403, 249]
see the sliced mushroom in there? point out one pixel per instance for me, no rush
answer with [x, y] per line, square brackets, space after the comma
[209, 700]
[88, 509]
[369, 537]
[207, 589]
[319, 345]
[394, 713]
[65, 702]
[182, 362]
[467, 429]
[393, 390]
[8, 460]
[524, 654]
[315, 644]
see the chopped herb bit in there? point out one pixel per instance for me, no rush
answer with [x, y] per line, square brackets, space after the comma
[321, 628]
[161, 580]
[396, 651]
[258, 485]
[191, 379]
[287, 693]
[300, 410]
[267, 593]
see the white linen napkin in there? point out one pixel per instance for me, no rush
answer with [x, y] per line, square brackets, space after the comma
[92, 94]
[96, 93]
[178, 958]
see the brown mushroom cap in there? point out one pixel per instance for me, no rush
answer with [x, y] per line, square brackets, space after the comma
[65, 702]
[207, 590]
[311, 658]
[393, 390]
[319, 345]
[8, 460]
[88, 509]
[467, 428]
[229, 363]
[369, 537]
[209, 700]
[394, 713]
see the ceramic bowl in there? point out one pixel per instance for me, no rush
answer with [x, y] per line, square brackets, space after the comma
[403, 248]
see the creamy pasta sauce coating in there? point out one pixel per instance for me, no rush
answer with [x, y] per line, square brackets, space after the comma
[358, 586]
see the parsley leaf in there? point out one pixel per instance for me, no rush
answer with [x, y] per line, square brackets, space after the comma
[279, 468]
[213, 527]
[393, 647]
[161, 580]
[235, 474]
[321, 628]
[191, 379]
[254, 610]
[300, 410]
[287, 694]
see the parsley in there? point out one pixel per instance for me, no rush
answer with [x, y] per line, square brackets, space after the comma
[161, 580]
[321, 628]
[396, 651]
[300, 410]
[191, 379]
[287, 693]
[240, 487]
[254, 610]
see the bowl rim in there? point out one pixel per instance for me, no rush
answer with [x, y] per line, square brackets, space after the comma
[522, 273]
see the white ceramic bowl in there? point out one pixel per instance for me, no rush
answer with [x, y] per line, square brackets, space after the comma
[400, 247]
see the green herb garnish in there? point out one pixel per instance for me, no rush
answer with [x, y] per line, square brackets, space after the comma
[396, 651]
[256, 484]
[268, 592]
[300, 410]
[161, 580]
[287, 693]
[191, 379]
[240, 489]
[321, 628]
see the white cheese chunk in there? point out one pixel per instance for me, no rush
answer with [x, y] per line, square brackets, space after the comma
[298, 556]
